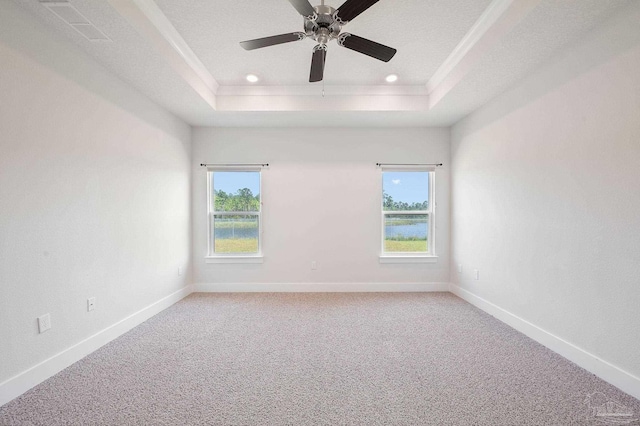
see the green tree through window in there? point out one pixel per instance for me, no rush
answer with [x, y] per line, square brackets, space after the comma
[235, 212]
[242, 201]
[406, 211]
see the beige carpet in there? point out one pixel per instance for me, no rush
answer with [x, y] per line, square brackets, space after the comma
[319, 359]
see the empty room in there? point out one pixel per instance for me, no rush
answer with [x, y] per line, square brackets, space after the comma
[338, 212]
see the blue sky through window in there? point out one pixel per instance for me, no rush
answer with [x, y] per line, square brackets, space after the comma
[408, 187]
[231, 182]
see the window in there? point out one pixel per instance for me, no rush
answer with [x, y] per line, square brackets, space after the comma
[408, 213]
[235, 210]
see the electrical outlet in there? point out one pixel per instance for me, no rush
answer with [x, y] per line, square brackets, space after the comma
[91, 304]
[44, 323]
[476, 274]
[314, 265]
[459, 268]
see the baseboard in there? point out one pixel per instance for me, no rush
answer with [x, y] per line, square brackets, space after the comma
[37, 374]
[318, 287]
[608, 372]
[24, 381]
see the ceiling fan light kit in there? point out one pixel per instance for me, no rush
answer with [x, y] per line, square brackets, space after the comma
[323, 24]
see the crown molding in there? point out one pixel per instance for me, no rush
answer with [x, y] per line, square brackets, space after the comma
[497, 20]
[315, 90]
[147, 18]
[318, 103]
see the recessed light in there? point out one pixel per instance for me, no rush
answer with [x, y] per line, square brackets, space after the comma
[391, 78]
[252, 78]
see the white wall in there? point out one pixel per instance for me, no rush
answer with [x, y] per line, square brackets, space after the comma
[546, 196]
[322, 198]
[94, 195]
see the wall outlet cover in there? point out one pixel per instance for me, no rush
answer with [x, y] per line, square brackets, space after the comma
[44, 323]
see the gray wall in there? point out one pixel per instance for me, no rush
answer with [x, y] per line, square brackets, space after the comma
[322, 201]
[94, 196]
[545, 196]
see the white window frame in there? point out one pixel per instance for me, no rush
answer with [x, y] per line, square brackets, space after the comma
[411, 257]
[212, 256]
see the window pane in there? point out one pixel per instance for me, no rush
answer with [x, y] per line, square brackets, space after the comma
[236, 191]
[405, 191]
[406, 233]
[235, 234]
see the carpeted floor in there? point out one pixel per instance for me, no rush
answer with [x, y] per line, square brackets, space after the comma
[319, 359]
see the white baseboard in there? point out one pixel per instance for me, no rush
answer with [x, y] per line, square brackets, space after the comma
[318, 287]
[24, 381]
[37, 374]
[608, 372]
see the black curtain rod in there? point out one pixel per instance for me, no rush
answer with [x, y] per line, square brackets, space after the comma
[428, 164]
[234, 165]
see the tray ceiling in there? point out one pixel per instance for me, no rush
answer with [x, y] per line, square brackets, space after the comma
[453, 56]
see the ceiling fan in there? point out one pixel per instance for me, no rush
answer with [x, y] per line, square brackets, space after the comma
[323, 24]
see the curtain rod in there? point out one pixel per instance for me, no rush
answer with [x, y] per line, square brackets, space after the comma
[235, 165]
[427, 164]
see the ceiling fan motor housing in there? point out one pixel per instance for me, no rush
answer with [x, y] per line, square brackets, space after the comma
[323, 25]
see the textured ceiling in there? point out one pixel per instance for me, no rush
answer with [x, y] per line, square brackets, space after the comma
[128, 55]
[423, 31]
[549, 28]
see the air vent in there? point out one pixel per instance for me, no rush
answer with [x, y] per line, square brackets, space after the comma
[69, 14]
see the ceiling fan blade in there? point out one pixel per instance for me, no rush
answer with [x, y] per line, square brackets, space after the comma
[317, 64]
[352, 8]
[367, 47]
[303, 7]
[271, 41]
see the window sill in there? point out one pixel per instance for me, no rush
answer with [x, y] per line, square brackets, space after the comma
[408, 259]
[234, 259]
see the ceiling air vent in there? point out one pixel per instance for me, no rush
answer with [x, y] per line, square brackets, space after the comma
[69, 14]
